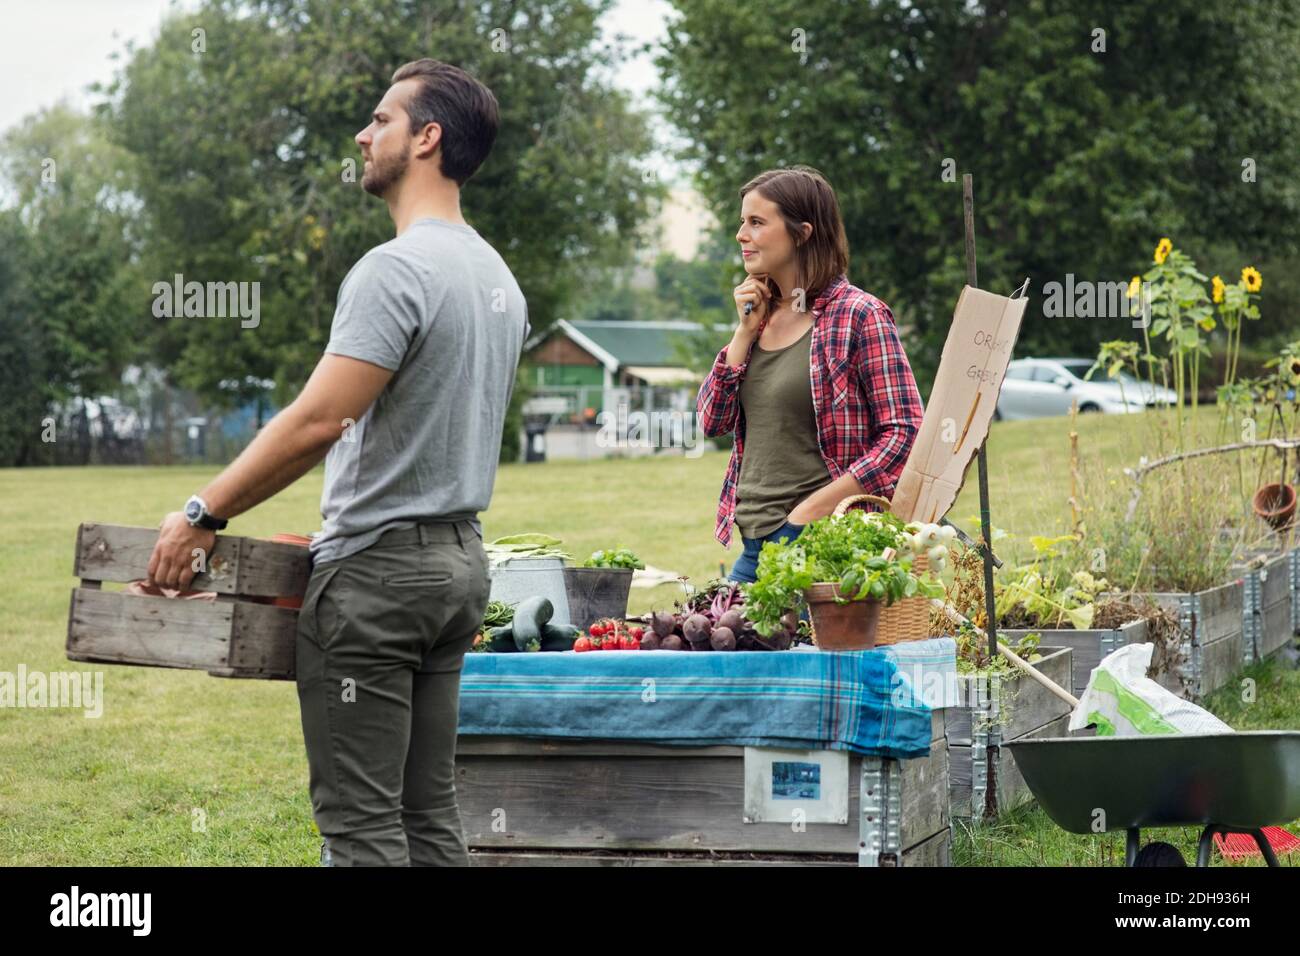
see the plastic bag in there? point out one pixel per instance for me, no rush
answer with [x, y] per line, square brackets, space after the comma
[1123, 702]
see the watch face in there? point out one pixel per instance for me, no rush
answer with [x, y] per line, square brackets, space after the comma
[193, 510]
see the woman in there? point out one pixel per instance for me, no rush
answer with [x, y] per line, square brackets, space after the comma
[814, 383]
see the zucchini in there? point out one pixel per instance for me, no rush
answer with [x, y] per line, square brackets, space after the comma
[502, 640]
[530, 616]
[558, 637]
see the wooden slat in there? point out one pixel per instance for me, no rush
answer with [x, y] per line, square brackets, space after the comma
[1276, 630]
[223, 637]
[264, 641]
[1026, 703]
[925, 797]
[480, 857]
[245, 566]
[112, 627]
[1086, 646]
[1220, 660]
[1011, 789]
[1032, 704]
[935, 851]
[1221, 610]
[486, 746]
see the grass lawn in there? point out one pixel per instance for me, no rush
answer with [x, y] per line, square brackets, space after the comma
[187, 769]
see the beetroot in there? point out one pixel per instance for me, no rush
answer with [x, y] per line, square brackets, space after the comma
[696, 628]
[663, 623]
[649, 641]
[722, 639]
[672, 643]
[732, 620]
[790, 621]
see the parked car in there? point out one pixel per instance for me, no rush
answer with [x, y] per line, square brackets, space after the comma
[1037, 388]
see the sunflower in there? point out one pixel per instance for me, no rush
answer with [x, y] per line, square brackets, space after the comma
[1295, 368]
[1217, 285]
[1250, 275]
[1134, 287]
[1163, 248]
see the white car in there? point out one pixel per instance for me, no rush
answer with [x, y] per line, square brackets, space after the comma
[1037, 388]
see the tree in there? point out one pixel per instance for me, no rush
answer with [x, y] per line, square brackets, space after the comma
[65, 271]
[1081, 158]
[244, 115]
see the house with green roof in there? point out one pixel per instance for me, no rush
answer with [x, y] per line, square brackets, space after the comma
[578, 369]
[611, 353]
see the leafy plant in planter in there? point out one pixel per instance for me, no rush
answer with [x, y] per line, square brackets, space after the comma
[845, 550]
[614, 558]
[1045, 593]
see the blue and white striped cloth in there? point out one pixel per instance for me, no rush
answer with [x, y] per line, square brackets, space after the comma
[875, 702]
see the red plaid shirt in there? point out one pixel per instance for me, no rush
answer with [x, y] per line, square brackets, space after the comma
[865, 400]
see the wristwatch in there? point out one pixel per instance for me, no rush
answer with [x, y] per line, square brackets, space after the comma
[196, 513]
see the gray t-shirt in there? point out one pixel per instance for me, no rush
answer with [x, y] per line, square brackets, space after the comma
[440, 307]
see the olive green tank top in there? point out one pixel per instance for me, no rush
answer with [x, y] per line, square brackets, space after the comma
[782, 463]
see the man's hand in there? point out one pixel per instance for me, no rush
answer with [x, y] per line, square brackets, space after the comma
[172, 562]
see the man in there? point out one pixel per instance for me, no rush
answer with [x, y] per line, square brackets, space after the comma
[416, 378]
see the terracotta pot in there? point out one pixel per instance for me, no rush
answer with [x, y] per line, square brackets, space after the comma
[1275, 504]
[841, 627]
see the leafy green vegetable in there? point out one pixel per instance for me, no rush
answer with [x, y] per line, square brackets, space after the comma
[621, 558]
[530, 544]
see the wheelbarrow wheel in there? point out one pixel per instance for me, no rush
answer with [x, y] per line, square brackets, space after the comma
[1159, 854]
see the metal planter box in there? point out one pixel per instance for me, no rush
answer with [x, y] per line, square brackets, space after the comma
[551, 802]
[994, 711]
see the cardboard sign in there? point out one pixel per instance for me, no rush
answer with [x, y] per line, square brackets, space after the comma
[965, 395]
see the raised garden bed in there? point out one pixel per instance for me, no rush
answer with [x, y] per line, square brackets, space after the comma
[526, 801]
[1267, 606]
[1210, 652]
[993, 711]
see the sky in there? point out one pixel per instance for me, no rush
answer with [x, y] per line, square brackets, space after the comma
[53, 49]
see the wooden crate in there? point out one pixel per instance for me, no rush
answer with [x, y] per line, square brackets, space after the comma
[994, 712]
[616, 803]
[240, 634]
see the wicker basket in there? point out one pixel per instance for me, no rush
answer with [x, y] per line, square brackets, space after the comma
[905, 620]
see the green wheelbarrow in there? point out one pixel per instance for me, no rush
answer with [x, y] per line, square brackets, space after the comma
[1227, 783]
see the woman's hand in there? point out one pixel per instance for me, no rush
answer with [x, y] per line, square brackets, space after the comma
[753, 291]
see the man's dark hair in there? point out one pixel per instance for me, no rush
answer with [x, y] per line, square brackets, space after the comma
[464, 108]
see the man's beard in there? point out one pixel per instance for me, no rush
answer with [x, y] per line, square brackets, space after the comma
[384, 173]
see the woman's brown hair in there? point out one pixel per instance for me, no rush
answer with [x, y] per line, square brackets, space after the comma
[802, 194]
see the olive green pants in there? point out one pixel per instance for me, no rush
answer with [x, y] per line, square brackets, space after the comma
[382, 636]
